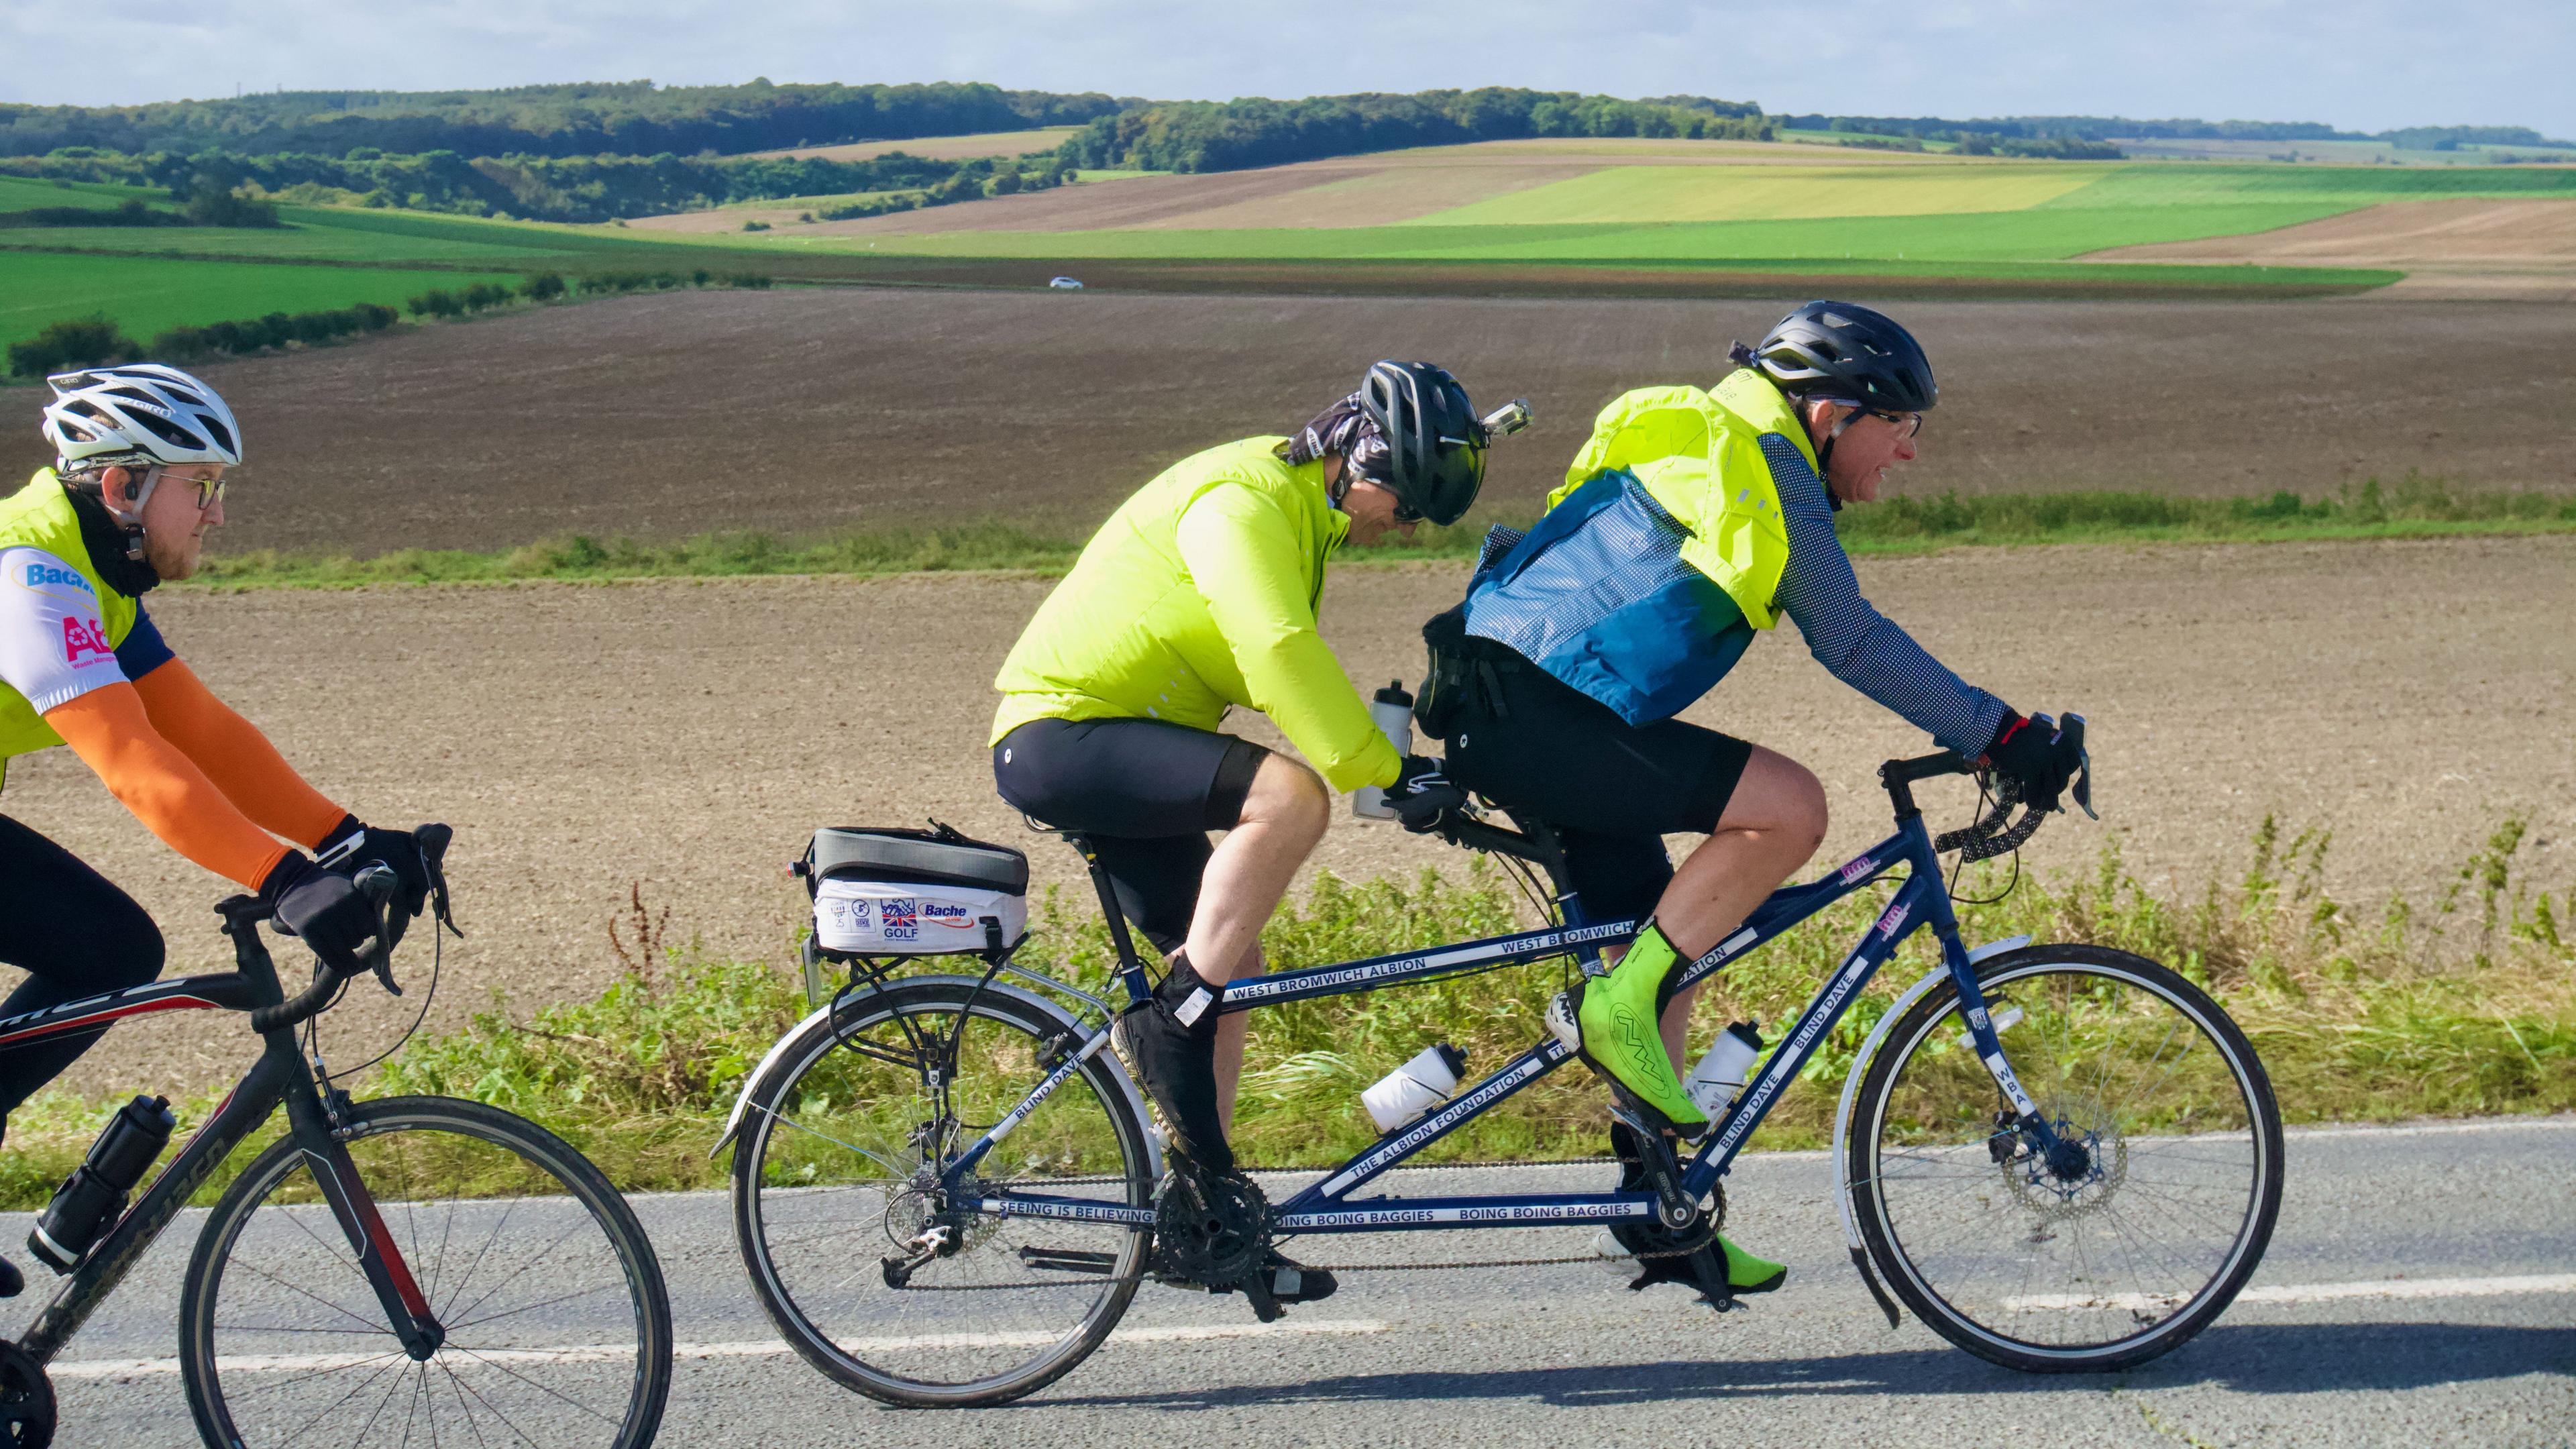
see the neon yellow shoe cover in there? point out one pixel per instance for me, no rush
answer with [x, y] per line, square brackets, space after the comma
[1746, 1273]
[1620, 1036]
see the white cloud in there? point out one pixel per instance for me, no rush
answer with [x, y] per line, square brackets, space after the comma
[2364, 64]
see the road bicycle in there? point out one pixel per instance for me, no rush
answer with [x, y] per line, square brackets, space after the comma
[399, 1271]
[2059, 1157]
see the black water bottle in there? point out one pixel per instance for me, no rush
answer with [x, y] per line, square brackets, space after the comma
[95, 1192]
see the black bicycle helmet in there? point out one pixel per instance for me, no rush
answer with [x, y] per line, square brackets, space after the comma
[1435, 443]
[1848, 353]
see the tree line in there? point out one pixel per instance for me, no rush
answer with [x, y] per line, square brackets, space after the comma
[1999, 133]
[1232, 135]
[635, 118]
[534, 188]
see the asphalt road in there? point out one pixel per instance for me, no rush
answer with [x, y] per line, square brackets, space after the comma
[2421, 1290]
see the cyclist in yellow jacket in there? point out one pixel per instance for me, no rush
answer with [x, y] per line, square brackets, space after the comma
[1198, 596]
[142, 451]
[1690, 523]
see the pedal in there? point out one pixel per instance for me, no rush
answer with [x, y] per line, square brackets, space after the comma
[1067, 1260]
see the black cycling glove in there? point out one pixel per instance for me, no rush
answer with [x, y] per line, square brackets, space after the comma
[2034, 759]
[353, 846]
[1423, 793]
[323, 910]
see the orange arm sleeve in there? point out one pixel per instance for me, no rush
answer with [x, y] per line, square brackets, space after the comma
[235, 755]
[112, 734]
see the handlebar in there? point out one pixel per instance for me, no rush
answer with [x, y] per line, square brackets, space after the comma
[1995, 833]
[380, 886]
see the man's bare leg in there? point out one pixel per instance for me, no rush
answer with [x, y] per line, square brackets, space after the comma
[1284, 815]
[1772, 825]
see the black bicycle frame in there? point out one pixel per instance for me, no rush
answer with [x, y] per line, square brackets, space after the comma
[281, 1075]
[1325, 1207]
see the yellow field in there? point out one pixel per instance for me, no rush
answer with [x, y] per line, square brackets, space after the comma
[1721, 193]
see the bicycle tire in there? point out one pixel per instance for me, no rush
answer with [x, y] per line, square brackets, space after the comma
[1884, 1235]
[771, 1101]
[391, 1140]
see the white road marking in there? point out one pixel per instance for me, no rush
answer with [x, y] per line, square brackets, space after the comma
[114, 1368]
[2312, 1292]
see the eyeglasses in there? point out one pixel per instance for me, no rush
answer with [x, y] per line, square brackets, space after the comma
[1908, 425]
[210, 491]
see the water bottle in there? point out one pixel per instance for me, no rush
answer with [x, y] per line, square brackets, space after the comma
[1416, 1087]
[95, 1192]
[1393, 711]
[1721, 1073]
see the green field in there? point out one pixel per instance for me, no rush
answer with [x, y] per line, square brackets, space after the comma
[1984, 226]
[145, 295]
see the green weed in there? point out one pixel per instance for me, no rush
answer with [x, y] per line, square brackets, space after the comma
[2461, 1003]
[2414, 506]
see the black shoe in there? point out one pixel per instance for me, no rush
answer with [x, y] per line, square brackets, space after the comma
[1171, 1041]
[12, 1282]
[1291, 1283]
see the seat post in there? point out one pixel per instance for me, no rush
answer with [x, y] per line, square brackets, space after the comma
[1131, 966]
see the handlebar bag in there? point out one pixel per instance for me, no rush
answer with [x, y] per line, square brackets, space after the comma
[914, 892]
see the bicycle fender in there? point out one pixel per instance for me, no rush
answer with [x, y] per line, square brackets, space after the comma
[1860, 1068]
[1117, 1068]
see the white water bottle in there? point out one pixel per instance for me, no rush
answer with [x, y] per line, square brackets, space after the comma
[1416, 1087]
[1721, 1073]
[1393, 711]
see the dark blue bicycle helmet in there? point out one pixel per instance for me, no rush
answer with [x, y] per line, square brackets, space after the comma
[1846, 353]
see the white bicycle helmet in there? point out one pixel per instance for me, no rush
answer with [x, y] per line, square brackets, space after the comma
[141, 412]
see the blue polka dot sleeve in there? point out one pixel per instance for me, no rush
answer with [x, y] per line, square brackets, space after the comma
[1862, 647]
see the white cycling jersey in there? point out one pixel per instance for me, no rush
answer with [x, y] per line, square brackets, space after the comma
[53, 645]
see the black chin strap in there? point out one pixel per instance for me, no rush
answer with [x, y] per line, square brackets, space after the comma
[115, 549]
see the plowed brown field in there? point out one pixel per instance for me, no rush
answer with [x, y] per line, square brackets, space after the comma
[810, 409]
[2458, 247]
[688, 735]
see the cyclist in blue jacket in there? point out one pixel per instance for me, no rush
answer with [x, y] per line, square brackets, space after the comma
[1689, 523]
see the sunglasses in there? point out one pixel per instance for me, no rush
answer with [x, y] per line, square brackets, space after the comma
[210, 491]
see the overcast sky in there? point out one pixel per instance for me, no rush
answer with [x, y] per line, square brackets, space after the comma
[2363, 65]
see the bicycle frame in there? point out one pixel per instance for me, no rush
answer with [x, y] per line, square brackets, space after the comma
[280, 1076]
[1326, 1206]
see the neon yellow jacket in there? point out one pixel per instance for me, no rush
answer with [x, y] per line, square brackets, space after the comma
[1199, 594]
[1700, 454]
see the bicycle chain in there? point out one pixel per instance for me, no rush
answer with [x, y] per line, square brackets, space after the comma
[1126, 1278]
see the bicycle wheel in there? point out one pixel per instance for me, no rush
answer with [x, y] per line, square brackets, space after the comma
[2112, 1255]
[558, 1325]
[836, 1170]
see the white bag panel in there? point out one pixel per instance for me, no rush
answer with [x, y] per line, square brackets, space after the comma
[885, 918]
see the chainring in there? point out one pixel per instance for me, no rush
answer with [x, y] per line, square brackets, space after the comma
[1210, 1232]
[26, 1400]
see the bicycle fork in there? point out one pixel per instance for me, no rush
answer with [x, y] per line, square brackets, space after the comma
[326, 1156]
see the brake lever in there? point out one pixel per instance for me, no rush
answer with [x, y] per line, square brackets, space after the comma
[2082, 788]
[380, 886]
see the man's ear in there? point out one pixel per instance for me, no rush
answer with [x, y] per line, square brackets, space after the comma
[118, 485]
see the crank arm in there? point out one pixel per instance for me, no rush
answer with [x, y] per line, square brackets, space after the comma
[1067, 1260]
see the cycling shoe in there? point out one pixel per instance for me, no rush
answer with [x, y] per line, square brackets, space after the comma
[1291, 1282]
[1617, 1015]
[1170, 1039]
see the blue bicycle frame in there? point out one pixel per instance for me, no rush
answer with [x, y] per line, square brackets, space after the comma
[1327, 1206]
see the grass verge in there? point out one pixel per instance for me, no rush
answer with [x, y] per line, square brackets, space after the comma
[2456, 1000]
[2413, 507]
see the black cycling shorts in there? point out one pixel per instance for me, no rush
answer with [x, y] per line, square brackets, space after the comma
[74, 934]
[1611, 789]
[1146, 792]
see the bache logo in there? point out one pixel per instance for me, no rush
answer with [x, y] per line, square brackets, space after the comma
[45, 575]
[954, 917]
[85, 643]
